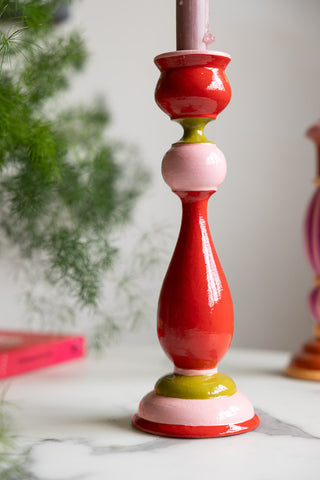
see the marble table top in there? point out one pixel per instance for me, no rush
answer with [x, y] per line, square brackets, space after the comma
[74, 419]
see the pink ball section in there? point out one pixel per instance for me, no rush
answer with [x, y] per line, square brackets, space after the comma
[314, 304]
[194, 167]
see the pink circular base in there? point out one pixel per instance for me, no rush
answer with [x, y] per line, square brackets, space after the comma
[214, 417]
[222, 410]
[187, 431]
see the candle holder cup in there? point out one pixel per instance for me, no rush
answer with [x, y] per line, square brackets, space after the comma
[195, 312]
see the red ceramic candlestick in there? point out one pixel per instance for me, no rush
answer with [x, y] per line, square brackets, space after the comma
[195, 313]
[306, 363]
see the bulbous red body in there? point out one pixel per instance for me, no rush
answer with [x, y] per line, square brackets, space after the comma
[195, 313]
[192, 83]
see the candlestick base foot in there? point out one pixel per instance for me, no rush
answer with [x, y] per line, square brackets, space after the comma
[187, 431]
[306, 364]
[303, 373]
[190, 418]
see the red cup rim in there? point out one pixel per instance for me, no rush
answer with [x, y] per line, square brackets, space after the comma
[188, 58]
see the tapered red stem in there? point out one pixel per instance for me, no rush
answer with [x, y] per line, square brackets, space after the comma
[195, 315]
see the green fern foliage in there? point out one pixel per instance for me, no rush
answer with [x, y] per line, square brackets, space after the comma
[63, 189]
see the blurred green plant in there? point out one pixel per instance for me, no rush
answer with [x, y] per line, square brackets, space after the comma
[64, 188]
[12, 459]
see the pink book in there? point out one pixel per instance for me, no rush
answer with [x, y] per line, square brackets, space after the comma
[22, 352]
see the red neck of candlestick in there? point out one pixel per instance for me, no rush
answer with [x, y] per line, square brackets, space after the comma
[195, 314]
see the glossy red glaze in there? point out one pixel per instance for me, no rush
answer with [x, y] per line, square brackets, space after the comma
[193, 83]
[195, 313]
[187, 431]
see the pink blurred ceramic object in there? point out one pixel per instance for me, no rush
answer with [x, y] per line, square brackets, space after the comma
[306, 363]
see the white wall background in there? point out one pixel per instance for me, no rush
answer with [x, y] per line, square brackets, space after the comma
[256, 216]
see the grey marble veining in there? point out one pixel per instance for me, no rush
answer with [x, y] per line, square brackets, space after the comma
[270, 425]
[75, 423]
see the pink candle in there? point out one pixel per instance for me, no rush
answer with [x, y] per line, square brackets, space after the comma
[193, 25]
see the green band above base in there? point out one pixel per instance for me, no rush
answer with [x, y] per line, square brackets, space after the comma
[196, 387]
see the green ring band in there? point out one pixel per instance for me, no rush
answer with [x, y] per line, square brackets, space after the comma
[196, 387]
[194, 129]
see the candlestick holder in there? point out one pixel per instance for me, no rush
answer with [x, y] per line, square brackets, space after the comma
[195, 313]
[306, 363]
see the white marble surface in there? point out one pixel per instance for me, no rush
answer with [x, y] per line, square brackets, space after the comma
[75, 420]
